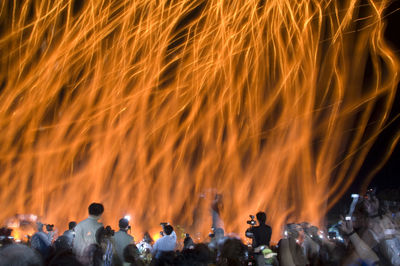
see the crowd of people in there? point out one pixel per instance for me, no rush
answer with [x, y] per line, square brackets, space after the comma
[368, 235]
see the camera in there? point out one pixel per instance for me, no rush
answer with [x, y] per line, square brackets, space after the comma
[370, 193]
[49, 227]
[251, 222]
[163, 225]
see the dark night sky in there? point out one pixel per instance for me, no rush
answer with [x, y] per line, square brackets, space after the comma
[388, 176]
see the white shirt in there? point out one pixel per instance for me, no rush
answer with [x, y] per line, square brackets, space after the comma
[164, 244]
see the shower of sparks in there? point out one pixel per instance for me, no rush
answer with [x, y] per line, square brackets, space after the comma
[153, 107]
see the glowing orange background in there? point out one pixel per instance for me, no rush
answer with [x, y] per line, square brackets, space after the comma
[153, 107]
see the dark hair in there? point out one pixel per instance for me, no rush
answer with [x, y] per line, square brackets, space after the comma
[261, 217]
[233, 251]
[96, 209]
[168, 229]
[103, 233]
[62, 243]
[64, 258]
[188, 242]
[131, 253]
[123, 223]
[19, 254]
[71, 225]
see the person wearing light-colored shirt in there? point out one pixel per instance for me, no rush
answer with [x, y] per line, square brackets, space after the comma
[85, 231]
[166, 243]
[122, 239]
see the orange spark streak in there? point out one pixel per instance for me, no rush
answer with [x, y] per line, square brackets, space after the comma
[152, 107]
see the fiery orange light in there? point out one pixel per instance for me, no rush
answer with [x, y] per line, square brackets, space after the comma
[152, 107]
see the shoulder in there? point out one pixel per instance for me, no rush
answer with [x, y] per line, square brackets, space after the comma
[160, 240]
[118, 235]
[95, 224]
[81, 223]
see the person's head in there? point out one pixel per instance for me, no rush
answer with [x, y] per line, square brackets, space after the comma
[5, 236]
[360, 216]
[64, 258]
[188, 242]
[103, 234]
[305, 225]
[261, 217]
[62, 243]
[96, 209]
[18, 254]
[131, 253]
[168, 229]
[71, 225]
[123, 224]
[312, 231]
[232, 251]
[292, 230]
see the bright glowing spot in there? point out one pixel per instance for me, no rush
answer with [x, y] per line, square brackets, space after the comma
[156, 236]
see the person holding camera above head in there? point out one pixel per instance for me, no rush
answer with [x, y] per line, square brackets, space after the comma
[261, 234]
[166, 244]
[290, 252]
[122, 238]
[50, 232]
[85, 231]
[376, 229]
[361, 250]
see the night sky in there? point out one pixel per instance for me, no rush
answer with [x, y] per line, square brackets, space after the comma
[388, 176]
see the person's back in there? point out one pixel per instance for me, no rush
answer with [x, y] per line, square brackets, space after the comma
[261, 233]
[85, 231]
[70, 233]
[165, 244]
[122, 238]
[18, 254]
[40, 241]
